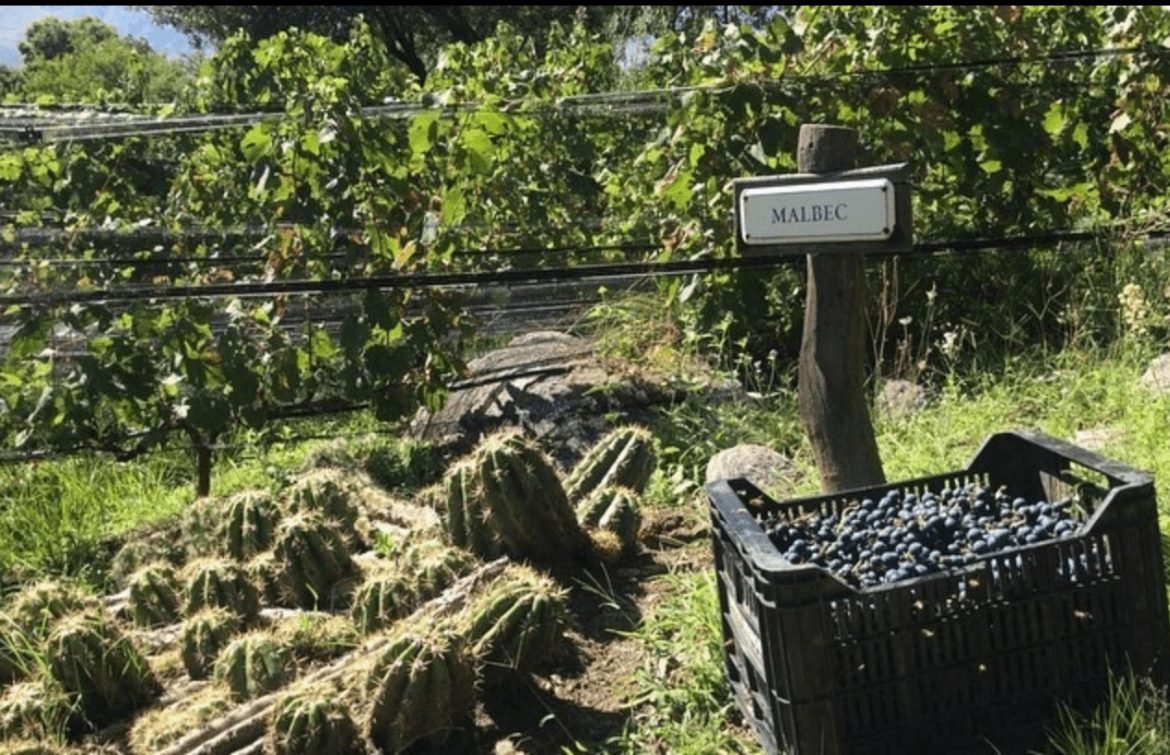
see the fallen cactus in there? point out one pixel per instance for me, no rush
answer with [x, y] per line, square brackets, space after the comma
[613, 509]
[421, 573]
[517, 622]
[40, 604]
[624, 458]
[422, 686]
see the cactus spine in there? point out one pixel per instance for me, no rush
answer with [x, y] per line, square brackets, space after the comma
[249, 524]
[421, 687]
[154, 598]
[312, 557]
[517, 622]
[203, 636]
[624, 458]
[222, 584]
[616, 510]
[94, 663]
[311, 721]
[253, 664]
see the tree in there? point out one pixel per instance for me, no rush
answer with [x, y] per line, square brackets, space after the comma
[413, 34]
[86, 60]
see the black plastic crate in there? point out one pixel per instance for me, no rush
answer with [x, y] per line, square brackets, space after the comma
[970, 660]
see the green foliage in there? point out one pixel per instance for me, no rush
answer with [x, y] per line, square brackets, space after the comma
[1135, 718]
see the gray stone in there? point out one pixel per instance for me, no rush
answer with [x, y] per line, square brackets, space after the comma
[900, 398]
[1156, 378]
[1097, 438]
[768, 470]
[552, 385]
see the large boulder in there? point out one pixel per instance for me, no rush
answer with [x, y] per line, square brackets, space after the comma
[768, 470]
[554, 386]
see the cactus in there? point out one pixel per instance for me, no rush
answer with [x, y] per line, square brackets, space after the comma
[312, 557]
[616, 510]
[511, 491]
[421, 686]
[309, 721]
[464, 519]
[518, 621]
[203, 636]
[140, 551]
[264, 572]
[421, 573]
[624, 458]
[154, 598]
[249, 524]
[329, 493]
[253, 664]
[223, 584]
[200, 527]
[36, 709]
[100, 668]
[38, 605]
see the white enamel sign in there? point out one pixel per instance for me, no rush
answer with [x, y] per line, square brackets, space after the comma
[860, 210]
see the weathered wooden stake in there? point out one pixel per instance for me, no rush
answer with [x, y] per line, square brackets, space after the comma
[831, 391]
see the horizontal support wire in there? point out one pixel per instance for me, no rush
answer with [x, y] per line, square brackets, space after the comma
[455, 280]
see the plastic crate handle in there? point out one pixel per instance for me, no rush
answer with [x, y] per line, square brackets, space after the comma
[1058, 453]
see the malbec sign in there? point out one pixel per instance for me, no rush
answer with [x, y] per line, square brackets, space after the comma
[856, 210]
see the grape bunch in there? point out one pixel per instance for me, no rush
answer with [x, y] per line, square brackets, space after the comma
[901, 535]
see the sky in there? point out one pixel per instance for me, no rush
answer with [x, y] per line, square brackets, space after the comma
[14, 19]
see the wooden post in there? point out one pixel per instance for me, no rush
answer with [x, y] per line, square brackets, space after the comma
[831, 392]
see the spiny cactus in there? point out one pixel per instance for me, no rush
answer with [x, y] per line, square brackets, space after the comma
[40, 604]
[203, 636]
[100, 668]
[311, 721]
[624, 458]
[154, 597]
[201, 524]
[515, 493]
[518, 621]
[421, 686]
[313, 558]
[329, 493]
[264, 572]
[616, 510]
[223, 584]
[37, 709]
[419, 574]
[140, 551]
[253, 664]
[249, 524]
[464, 518]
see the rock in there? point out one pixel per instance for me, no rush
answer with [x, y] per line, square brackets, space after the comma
[554, 386]
[1097, 438]
[900, 398]
[1156, 378]
[768, 470]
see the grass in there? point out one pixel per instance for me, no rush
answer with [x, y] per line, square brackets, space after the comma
[59, 515]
